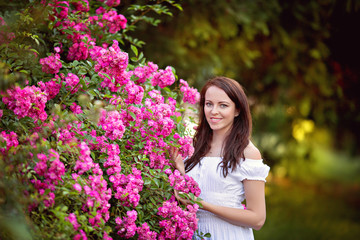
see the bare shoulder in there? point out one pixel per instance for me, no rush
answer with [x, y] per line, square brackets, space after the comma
[252, 152]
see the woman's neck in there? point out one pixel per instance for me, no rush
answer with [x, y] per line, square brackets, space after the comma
[218, 138]
[216, 146]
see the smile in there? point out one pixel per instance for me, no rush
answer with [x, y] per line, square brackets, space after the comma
[215, 120]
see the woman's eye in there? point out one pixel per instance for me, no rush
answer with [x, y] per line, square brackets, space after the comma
[208, 104]
[223, 105]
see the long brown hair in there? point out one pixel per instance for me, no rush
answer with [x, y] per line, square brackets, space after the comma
[237, 140]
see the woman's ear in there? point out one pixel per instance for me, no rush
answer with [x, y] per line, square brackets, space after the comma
[237, 112]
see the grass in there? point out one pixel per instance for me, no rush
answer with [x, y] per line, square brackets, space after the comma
[301, 211]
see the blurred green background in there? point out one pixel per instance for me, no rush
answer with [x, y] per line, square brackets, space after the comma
[299, 63]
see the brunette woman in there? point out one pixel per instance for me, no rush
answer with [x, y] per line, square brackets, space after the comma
[226, 164]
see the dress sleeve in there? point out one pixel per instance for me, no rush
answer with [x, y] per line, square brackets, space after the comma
[253, 170]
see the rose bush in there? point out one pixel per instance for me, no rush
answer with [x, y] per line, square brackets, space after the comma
[85, 126]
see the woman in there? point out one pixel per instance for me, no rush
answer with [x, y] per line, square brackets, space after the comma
[226, 164]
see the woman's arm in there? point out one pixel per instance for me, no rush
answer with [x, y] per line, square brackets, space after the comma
[255, 213]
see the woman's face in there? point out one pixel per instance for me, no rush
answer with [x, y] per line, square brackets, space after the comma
[219, 110]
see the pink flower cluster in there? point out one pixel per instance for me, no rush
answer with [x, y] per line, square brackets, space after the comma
[153, 149]
[80, 50]
[191, 95]
[186, 149]
[81, 235]
[85, 162]
[82, 5]
[72, 81]
[66, 134]
[127, 227]
[138, 112]
[163, 78]
[10, 139]
[115, 22]
[113, 163]
[135, 93]
[111, 122]
[97, 142]
[51, 88]
[75, 108]
[156, 115]
[160, 120]
[113, 62]
[111, 3]
[29, 101]
[50, 169]
[60, 9]
[145, 233]
[72, 219]
[52, 63]
[184, 184]
[82, 37]
[178, 223]
[98, 196]
[56, 169]
[128, 187]
[94, 187]
[142, 73]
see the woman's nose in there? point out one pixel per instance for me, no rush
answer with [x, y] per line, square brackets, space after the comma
[214, 110]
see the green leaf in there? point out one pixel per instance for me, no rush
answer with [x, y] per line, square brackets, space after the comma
[184, 195]
[156, 181]
[167, 90]
[83, 83]
[34, 50]
[3, 144]
[147, 181]
[82, 71]
[178, 119]
[133, 115]
[153, 200]
[134, 49]
[75, 63]
[178, 6]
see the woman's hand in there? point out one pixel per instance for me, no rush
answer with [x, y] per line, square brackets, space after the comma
[177, 159]
[180, 199]
[191, 198]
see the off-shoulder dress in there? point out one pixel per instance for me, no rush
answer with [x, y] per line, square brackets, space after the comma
[227, 191]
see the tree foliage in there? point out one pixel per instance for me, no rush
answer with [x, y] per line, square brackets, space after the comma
[295, 59]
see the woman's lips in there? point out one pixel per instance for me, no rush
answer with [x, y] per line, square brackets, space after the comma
[215, 120]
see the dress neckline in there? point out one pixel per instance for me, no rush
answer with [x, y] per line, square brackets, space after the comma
[242, 159]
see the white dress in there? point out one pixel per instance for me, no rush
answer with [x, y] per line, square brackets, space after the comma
[227, 192]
